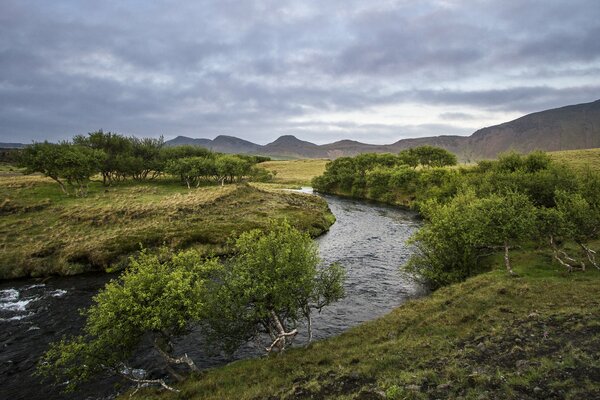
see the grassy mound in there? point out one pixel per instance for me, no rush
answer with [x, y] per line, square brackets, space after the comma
[43, 232]
[536, 336]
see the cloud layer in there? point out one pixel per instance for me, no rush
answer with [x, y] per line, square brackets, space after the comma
[323, 70]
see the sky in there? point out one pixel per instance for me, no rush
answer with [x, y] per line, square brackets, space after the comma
[323, 70]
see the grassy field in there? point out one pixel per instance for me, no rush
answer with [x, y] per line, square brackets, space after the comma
[579, 159]
[295, 172]
[44, 232]
[536, 336]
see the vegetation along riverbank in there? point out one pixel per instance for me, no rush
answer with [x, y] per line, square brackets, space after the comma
[510, 246]
[92, 203]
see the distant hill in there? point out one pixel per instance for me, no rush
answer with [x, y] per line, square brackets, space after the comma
[11, 145]
[290, 146]
[565, 128]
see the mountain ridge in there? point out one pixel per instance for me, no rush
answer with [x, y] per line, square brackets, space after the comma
[565, 128]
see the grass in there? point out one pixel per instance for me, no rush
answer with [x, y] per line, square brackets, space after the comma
[536, 336]
[45, 232]
[579, 159]
[295, 172]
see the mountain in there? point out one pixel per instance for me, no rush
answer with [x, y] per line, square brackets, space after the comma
[232, 144]
[292, 147]
[566, 128]
[11, 145]
[184, 140]
[221, 144]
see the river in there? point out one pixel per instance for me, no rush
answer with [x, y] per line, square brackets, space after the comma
[368, 240]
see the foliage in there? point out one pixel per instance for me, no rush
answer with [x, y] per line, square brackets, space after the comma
[159, 296]
[427, 156]
[518, 334]
[64, 163]
[271, 283]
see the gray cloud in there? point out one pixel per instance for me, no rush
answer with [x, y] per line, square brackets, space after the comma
[253, 68]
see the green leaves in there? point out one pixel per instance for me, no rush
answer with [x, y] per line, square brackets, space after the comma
[160, 295]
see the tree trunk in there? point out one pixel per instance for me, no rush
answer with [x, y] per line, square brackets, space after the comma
[591, 255]
[282, 335]
[507, 259]
[185, 359]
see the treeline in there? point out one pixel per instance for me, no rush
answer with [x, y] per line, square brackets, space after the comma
[387, 177]
[117, 158]
[472, 212]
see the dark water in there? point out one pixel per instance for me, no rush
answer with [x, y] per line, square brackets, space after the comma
[367, 239]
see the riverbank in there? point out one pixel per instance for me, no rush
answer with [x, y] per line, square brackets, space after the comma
[534, 336]
[44, 232]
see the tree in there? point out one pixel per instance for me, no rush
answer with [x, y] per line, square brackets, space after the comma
[427, 156]
[159, 297]
[271, 284]
[507, 219]
[65, 163]
[447, 246]
[117, 148]
[581, 221]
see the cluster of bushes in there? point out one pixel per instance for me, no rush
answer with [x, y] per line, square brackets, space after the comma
[388, 177]
[471, 212]
[117, 158]
[499, 205]
[272, 283]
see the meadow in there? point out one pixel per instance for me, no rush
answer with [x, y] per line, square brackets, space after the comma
[295, 172]
[43, 232]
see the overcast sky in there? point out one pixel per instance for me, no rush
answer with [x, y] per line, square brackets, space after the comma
[374, 71]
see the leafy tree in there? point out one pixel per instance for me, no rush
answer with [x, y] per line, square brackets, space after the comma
[145, 158]
[580, 221]
[271, 284]
[447, 246]
[69, 165]
[508, 219]
[427, 156]
[117, 149]
[231, 168]
[157, 297]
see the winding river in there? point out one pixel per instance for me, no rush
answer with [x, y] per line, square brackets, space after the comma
[368, 240]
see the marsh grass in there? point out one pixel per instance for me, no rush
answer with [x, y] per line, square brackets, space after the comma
[44, 232]
[295, 172]
[536, 335]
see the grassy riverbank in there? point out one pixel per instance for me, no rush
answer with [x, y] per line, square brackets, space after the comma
[295, 172]
[44, 232]
[535, 336]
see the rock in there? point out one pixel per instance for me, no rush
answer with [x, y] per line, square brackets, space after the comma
[537, 390]
[521, 363]
[443, 386]
[481, 346]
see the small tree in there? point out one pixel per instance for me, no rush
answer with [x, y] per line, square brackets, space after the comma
[508, 219]
[65, 163]
[270, 285]
[160, 297]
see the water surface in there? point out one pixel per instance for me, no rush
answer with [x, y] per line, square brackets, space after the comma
[368, 240]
